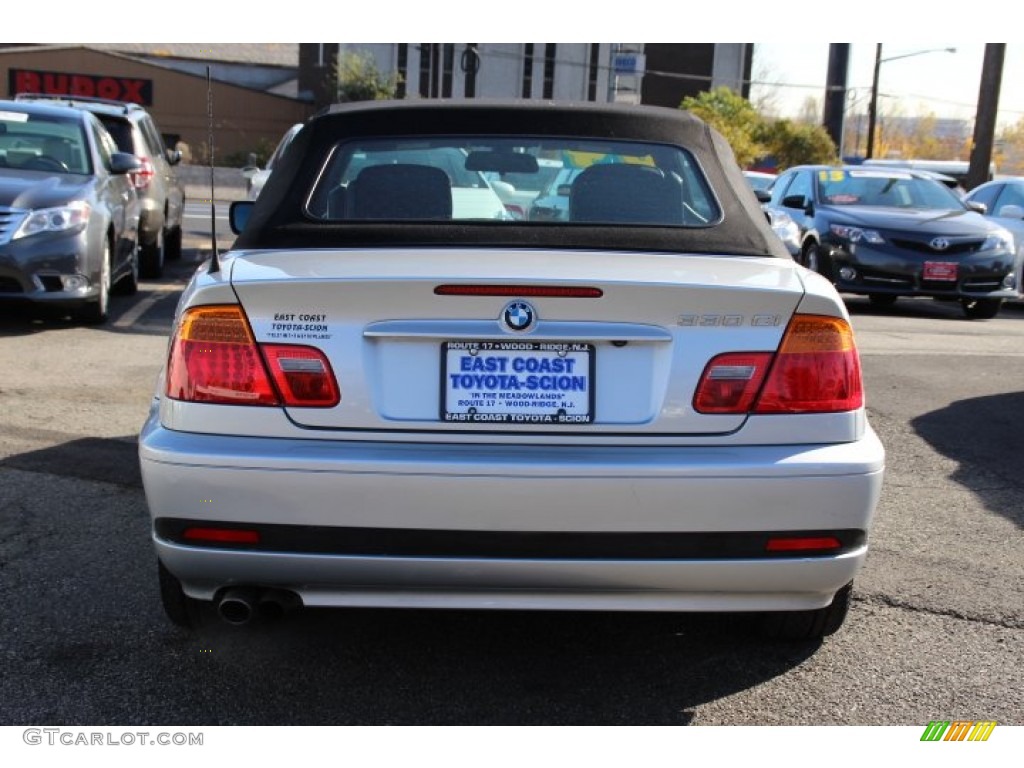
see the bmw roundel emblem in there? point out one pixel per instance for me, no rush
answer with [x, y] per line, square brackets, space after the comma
[519, 316]
[939, 243]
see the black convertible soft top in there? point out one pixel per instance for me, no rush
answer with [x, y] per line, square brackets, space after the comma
[279, 219]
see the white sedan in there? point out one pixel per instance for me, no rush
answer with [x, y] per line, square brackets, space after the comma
[384, 397]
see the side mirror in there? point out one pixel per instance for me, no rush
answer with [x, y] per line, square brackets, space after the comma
[123, 162]
[173, 156]
[238, 215]
[795, 201]
[763, 195]
[1011, 212]
[977, 207]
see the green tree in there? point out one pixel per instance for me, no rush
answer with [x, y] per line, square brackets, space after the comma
[732, 116]
[753, 136]
[797, 143]
[359, 79]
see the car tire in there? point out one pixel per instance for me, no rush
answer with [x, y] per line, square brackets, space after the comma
[172, 247]
[809, 256]
[882, 299]
[129, 284]
[182, 610]
[97, 310]
[151, 263]
[981, 309]
[808, 625]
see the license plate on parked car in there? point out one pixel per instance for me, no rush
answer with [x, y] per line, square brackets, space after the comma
[940, 270]
[529, 382]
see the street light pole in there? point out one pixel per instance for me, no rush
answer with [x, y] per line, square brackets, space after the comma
[873, 106]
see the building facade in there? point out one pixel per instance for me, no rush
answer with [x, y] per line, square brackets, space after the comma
[603, 72]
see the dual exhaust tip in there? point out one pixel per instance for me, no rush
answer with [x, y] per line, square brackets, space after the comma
[240, 605]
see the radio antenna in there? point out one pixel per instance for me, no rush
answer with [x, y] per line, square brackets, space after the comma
[214, 261]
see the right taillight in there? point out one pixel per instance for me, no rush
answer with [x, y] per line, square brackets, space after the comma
[215, 359]
[815, 370]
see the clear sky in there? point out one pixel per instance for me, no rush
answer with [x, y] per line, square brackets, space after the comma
[946, 84]
[785, 34]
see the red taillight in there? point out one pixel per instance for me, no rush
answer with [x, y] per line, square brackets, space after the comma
[731, 382]
[222, 535]
[802, 543]
[816, 370]
[516, 210]
[214, 359]
[303, 375]
[144, 176]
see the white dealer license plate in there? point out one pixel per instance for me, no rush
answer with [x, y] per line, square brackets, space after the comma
[525, 382]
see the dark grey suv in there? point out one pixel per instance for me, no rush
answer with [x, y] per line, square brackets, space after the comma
[161, 195]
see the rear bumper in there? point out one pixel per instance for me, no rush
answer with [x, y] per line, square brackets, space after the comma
[505, 493]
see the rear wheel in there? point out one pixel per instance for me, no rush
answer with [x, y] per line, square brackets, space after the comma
[153, 254]
[981, 309]
[808, 625]
[172, 249]
[181, 609]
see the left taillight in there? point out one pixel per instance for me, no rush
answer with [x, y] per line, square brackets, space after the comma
[815, 370]
[215, 359]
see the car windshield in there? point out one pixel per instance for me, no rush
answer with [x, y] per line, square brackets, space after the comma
[42, 143]
[884, 189]
[446, 178]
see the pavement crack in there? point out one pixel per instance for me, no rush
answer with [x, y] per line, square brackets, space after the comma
[1006, 622]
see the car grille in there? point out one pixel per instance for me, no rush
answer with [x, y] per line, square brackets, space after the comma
[954, 249]
[10, 218]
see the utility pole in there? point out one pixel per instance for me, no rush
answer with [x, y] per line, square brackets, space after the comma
[985, 122]
[873, 106]
[835, 92]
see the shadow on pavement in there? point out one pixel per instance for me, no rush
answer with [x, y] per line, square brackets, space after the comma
[82, 617]
[988, 466]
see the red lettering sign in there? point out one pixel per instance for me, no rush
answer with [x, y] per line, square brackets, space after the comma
[25, 82]
[54, 83]
[82, 85]
[61, 83]
[131, 90]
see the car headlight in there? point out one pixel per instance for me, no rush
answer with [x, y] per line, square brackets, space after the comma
[784, 225]
[61, 219]
[856, 234]
[998, 239]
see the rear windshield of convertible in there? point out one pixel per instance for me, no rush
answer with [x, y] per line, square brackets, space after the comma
[557, 180]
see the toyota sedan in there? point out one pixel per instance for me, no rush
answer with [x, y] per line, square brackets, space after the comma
[889, 232]
[379, 397]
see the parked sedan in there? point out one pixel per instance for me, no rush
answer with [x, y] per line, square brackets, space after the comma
[69, 214]
[381, 398]
[887, 233]
[1004, 205]
[782, 223]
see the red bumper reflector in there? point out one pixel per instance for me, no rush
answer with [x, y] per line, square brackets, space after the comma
[553, 291]
[801, 543]
[223, 535]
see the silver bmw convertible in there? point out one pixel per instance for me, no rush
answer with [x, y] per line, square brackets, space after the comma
[390, 394]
